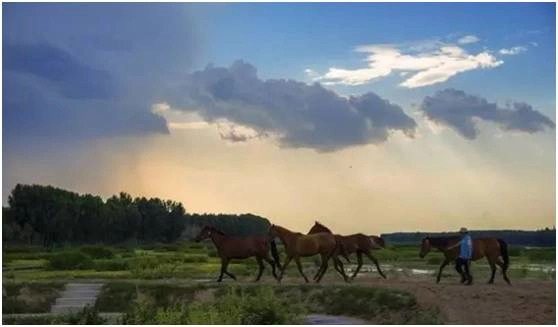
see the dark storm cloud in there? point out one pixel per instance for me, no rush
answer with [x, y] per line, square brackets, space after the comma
[459, 110]
[301, 115]
[91, 70]
[74, 79]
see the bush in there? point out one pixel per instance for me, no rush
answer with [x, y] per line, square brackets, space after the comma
[541, 254]
[88, 316]
[27, 320]
[110, 265]
[265, 308]
[22, 249]
[29, 297]
[98, 252]
[514, 251]
[365, 302]
[70, 261]
[116, 297]
[234, 308]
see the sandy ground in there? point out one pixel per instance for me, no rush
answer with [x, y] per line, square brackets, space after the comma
[525, 302]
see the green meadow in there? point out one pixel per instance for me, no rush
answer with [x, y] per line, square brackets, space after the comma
[175, 283]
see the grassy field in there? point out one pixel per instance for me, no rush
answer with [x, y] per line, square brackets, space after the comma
[149, 283]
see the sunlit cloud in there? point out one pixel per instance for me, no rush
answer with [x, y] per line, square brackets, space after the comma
[467, 39]
[512, 51]
[296, 114]
[433, 63]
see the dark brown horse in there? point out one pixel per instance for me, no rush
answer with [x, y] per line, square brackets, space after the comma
[298, 245]
[355, 243]
[236, 247]
[491, 248]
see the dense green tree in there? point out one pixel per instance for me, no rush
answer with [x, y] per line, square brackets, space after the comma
[58, 216]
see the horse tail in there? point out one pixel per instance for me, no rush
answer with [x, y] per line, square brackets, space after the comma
[504, 252]
[275, 253]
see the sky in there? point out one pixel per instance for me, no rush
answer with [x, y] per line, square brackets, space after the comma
[367, 117]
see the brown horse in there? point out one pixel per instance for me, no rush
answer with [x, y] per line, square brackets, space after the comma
[359, 243]
[298, 245]
[235, 247]
[491, 248]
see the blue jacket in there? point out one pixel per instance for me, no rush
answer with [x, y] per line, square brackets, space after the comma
[466, 249]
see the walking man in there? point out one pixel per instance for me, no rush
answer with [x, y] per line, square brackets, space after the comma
[462, 263]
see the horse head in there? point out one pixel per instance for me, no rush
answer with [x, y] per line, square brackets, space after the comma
[207, 232]
[425, 247]
[378, 240]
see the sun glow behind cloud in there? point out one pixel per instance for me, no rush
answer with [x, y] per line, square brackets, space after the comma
[396, 186]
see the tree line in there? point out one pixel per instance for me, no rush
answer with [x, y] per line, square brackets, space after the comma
[52, 216]
[543, 237]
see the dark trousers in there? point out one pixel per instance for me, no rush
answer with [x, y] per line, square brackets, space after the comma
[462, 266]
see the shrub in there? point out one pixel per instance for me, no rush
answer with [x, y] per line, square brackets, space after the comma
[236, 307]
[27, 320]
[21, 249]
[98, 252]
[111, 265]
[29, 297]
[70, 261]
[88, 316]
[541, 254]
[365, 302]
[116, 297]
[265, 308]
[514, 251]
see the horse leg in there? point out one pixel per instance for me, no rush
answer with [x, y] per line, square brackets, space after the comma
[224, 263]
[371, 257]
[261, 268]
[299, 266]
[504, 271]
[359, 264]
[338, 265]
[493, 271]
[323, 257]
[226, 271]
[324, 268]
[287, 261]
[445, 263]
[272, 264]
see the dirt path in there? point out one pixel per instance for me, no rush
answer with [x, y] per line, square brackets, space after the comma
[75, 297]
[526, 302]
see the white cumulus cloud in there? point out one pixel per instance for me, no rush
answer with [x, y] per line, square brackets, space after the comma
[512, 51]
[467, 39]
[424, 66]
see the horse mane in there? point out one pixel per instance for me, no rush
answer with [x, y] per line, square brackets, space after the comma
[284, 230]
[442, 241]
[319, 228]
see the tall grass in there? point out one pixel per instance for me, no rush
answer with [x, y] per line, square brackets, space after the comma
[262, 307]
